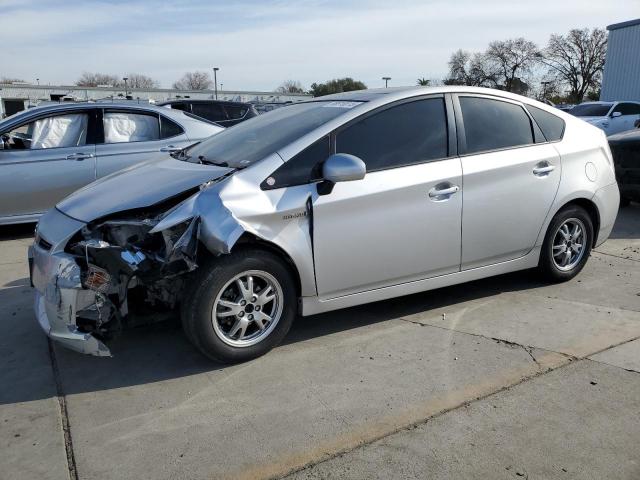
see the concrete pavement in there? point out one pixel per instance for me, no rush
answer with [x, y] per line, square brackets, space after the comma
[491, 379]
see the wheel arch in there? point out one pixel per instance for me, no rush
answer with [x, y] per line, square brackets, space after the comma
[590, 207]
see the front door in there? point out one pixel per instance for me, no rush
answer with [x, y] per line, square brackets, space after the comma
[43, 161]
[510, 182]
[400, 223]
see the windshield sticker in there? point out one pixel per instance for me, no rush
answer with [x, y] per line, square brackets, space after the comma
[341, 104]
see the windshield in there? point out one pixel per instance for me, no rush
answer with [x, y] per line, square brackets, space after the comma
[254, 139]
[591, 109]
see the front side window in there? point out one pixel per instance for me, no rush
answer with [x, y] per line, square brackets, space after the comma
[627, 108]
[59, 131]
[591, 109]
[122, 127]
[405, 134]
[493, 124]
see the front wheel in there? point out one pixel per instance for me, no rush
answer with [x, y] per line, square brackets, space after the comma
[240, 306]
[567, 244]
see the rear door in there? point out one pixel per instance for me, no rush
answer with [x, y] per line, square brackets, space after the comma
[46, 159]
[132, 136]
[510, 181]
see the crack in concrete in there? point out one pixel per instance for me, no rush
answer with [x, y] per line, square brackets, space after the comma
[616, 256]
[64, 414]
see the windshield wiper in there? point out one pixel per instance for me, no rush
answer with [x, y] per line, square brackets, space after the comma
[203, 160]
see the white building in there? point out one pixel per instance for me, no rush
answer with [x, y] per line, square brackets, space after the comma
[18, 96]
[621, 79]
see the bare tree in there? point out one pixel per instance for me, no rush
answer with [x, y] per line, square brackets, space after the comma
[290, 86]
[194, 81]
[512, 60]
[9, 80]
[577, 59]
[138, 80]
[88, 79]
[470, 69]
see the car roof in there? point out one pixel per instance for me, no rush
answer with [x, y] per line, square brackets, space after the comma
[75, 106]
[202, 100]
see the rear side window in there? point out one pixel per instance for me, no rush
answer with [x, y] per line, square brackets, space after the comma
[627, 109]
[210, 111]
[552, 126]
[406, 134]
[169, 128]
[305, 167]
[122, 127]
[492, 124]
[235, 111]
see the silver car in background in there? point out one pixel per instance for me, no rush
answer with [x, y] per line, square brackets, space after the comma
[48, 152]
[321, 205]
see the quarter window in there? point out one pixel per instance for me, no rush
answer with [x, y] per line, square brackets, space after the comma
[552, 126]
[304, 168]
[492, 124]
[59, 131]
[169, 128]
[406, 134]
[121, 127]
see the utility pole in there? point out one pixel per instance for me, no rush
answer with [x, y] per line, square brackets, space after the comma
[215, 80]
[386, 81]
[125, 86]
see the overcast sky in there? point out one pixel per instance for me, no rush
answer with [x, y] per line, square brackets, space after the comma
[259, 43]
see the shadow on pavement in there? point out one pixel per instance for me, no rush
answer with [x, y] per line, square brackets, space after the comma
[17, 232]
[627, 223]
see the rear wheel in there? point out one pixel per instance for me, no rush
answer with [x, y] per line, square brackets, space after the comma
[241, 306]
[567, 244]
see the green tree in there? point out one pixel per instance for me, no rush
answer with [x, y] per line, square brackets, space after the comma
[423, 82]
[336, 85]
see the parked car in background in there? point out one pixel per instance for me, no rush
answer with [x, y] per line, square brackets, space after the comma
[611, 117]
[223, 113]
[565, 107]
[625, 148]
[48, 152]
[340, 201]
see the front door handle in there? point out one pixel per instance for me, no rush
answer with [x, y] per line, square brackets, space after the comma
[170, 149]
[80, 156]
[442, 192]
[543, 169]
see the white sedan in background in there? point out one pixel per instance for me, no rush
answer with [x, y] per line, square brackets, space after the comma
[611, 117]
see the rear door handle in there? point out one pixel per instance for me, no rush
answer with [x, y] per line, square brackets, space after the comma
[543, 170]
[439, 194]
[80, 156]
[170, 149]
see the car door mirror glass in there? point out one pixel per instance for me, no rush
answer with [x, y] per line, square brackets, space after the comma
[342, 167]
[616, 114]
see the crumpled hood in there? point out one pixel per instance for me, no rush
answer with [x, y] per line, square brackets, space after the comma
[139, 186]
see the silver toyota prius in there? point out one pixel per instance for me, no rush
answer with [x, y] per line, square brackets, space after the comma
[339, 201]
[48, 152]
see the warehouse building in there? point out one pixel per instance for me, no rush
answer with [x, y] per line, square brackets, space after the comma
[621, 79]
[15, 97]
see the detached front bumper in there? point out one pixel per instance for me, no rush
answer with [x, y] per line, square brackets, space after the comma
[59, 295]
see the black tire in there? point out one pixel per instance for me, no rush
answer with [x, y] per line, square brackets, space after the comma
[206, 284]
[547, 266]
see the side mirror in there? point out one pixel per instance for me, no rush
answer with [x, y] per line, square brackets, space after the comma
[340, 167]
[1, 142]
[616, 114]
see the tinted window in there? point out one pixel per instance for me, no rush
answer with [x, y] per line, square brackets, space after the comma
[552, 126]
[235, 111]
[492, 124]
[303, 168]
[210, 111]
[169, 128]
[181, 106]
[122, 127]
[591, 109]
[403, 135]
[628, 108]
[260, 136]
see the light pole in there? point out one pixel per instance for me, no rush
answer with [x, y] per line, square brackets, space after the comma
[125, 86]
[215, 80]
[386, 81]
[38, 80]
